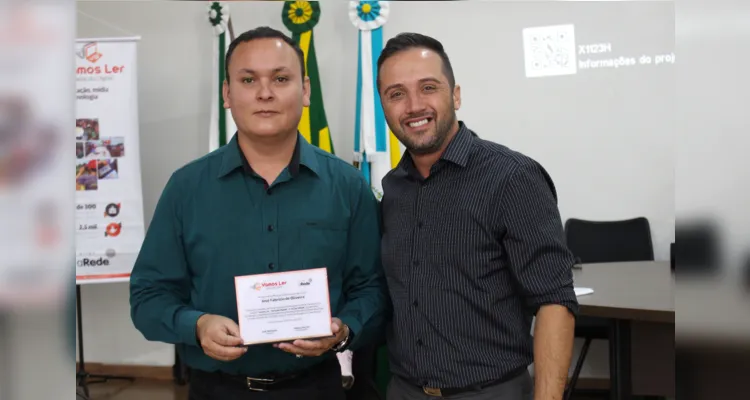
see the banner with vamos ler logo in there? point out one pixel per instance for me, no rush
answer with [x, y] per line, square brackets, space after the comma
[109, 202]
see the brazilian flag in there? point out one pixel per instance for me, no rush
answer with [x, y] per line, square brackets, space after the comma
[300, 17]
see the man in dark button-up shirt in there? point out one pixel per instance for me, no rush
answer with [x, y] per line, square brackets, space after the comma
[266, 202]
[472, 247]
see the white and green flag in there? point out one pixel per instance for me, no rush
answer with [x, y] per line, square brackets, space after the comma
[222, 126]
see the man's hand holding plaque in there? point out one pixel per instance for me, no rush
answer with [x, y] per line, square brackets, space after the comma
[219, 337]
[314, 348]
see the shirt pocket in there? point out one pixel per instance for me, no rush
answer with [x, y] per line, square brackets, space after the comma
[324, 244]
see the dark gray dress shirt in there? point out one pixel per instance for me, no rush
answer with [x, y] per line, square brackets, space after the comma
[470, 255]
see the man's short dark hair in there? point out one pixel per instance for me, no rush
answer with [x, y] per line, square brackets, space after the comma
[410, 40]
[263, 32]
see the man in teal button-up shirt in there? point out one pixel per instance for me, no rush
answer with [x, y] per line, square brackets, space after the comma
[266, 202]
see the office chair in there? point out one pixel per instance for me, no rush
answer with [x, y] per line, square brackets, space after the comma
[600, 242]
[610, 241]
[696, 249]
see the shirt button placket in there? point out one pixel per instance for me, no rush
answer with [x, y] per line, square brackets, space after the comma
[416, 281]
[270, 221]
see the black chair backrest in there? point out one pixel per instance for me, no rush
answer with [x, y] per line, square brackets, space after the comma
[697, 248]
[610, 241]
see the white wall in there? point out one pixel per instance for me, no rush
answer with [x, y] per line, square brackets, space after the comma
[174, 109]
[605, 136]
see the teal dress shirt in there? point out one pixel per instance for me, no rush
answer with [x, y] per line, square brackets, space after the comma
[217, 219]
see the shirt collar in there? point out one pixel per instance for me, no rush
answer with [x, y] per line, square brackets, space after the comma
[233, 158]
[457, 151]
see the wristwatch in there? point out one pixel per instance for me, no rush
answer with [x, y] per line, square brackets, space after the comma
[341, 346]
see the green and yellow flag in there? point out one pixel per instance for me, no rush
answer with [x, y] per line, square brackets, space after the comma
[300, 17]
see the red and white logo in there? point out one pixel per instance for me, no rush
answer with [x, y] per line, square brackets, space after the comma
[113, 229]
[90, 52]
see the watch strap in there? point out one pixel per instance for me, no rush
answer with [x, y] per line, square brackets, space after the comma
[342, 345]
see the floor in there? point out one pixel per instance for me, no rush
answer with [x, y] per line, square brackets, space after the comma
[143, 389]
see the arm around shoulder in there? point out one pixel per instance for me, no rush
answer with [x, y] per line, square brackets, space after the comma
[160, 280]
[364, 281]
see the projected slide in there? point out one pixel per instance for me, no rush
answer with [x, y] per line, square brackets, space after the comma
[555, 51]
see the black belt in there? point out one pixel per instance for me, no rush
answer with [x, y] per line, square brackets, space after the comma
[440, 392]
[268, 382]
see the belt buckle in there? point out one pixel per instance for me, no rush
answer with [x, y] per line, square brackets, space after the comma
[433, 391]
[263, 382]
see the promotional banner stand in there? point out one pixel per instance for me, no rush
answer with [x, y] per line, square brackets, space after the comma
[83, 377]
[109, 203]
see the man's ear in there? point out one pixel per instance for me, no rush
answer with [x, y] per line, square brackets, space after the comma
[306, 92]
[456, 97]
[225, 94]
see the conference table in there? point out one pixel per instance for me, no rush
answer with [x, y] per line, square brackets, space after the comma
[628, 294]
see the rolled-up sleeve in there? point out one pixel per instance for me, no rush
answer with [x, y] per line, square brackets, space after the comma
[534, 241]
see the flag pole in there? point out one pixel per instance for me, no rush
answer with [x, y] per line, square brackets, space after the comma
[371, 145]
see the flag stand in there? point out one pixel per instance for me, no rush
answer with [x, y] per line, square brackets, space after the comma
[82, 377]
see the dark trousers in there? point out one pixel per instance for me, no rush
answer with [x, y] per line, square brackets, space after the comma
[364, 367]
[320, 383]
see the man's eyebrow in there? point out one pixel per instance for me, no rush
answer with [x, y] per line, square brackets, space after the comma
[394, 86]
[423, 80]
[430, 79]
[251, 71]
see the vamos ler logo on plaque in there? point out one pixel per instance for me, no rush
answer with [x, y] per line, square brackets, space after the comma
[109, 204]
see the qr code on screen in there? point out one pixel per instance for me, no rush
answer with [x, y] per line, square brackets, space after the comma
[549, 50]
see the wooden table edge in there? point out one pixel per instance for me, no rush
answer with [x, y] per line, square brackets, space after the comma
[630, 314]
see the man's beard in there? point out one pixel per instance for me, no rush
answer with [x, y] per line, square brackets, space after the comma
[442, 130]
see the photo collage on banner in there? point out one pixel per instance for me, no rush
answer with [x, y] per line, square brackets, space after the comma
[109, 207]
